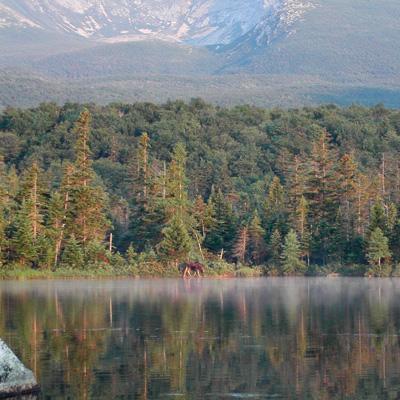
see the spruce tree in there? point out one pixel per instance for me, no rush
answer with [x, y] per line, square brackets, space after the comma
[73, 256]
[176, 243]
[223, 231]
[275, 247]
[32, 191]
[291, 255]
[3, 238]
[55, 224]
[241, 245]
[23, 241]
[274, 207]
[378, 249]
[322, 194]
[87, 200]
[177, 202]
[257, 247]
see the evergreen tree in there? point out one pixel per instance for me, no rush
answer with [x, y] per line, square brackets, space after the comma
[322, 196]
[3, 238]
[377, 217]
[241, 245]
[87, 201]
[275, 247]
[274, 207]
[3, 207]
[291, 255]
[55, 224]
[378, 249]
[23, 240]
[176, 243]
[177, 202]
[256, 240]
[32, 192]
[72, 255]
[222, 234]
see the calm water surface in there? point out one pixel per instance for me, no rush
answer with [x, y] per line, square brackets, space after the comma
[207, 339]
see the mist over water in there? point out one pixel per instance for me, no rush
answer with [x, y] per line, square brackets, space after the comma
[284, 338]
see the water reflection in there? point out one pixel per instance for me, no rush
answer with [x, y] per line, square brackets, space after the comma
[292, 338]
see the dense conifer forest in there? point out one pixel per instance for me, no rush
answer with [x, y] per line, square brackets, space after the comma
[139, 188]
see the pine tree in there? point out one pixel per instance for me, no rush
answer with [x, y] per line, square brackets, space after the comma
[256, 240]
[3, 238]
[291, 255]
[55, 224]
[322, 194]
[347, 171]
[223, 231]
[23, 241]
[59, 213]
[274, 207]
[377, 217]
[275, 247]
[87, 201]
[203, 216]
[378, 248]
[3, 206]
[32, 192]
[141, 196]
[72, 255]
[362, 193]
[177, 202]
[241, 245]
[176, 243]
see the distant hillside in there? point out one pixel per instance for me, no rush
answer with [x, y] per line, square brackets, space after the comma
[298, 52]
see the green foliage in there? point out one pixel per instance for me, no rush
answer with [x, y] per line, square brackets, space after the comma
[275, 247]
[23, 242]
[196, 181]
[72, 256]
[291, 255]
[176, 242]
[378, 252]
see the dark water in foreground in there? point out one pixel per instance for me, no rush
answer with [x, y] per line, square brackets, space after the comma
[207, 339]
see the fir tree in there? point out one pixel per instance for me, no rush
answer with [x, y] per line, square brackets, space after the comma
[177, 202]
[32, 192]
[241, 245]
[275, 247]
[222, 234]
[176, 243]
[322, 193]
[274, 207]
[23, 241]
[378, 248]
[72, 255]
[256, 240]
[291, 255]
[87, 201]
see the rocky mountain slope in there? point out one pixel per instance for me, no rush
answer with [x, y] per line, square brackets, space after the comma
[286, 52]
[199, 22]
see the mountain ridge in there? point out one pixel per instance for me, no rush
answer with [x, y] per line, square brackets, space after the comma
[348, 49]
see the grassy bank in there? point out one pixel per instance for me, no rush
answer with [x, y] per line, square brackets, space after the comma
[144, 270]
[156, 269]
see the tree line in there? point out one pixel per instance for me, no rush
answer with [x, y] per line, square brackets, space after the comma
[295, 191]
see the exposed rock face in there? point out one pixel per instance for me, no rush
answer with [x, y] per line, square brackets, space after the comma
[196, 22]
[14, 377]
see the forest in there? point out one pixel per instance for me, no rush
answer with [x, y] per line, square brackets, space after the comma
[135, 189]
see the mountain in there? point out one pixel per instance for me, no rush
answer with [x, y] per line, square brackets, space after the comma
[199, 22]
[294, 51]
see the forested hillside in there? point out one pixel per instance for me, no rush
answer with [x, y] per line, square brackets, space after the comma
[299, 190]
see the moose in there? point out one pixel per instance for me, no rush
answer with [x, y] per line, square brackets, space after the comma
[187, 267]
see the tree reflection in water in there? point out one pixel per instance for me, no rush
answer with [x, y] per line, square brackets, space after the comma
[292, 338]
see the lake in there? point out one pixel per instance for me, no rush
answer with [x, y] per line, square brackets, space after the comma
[277, 338]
